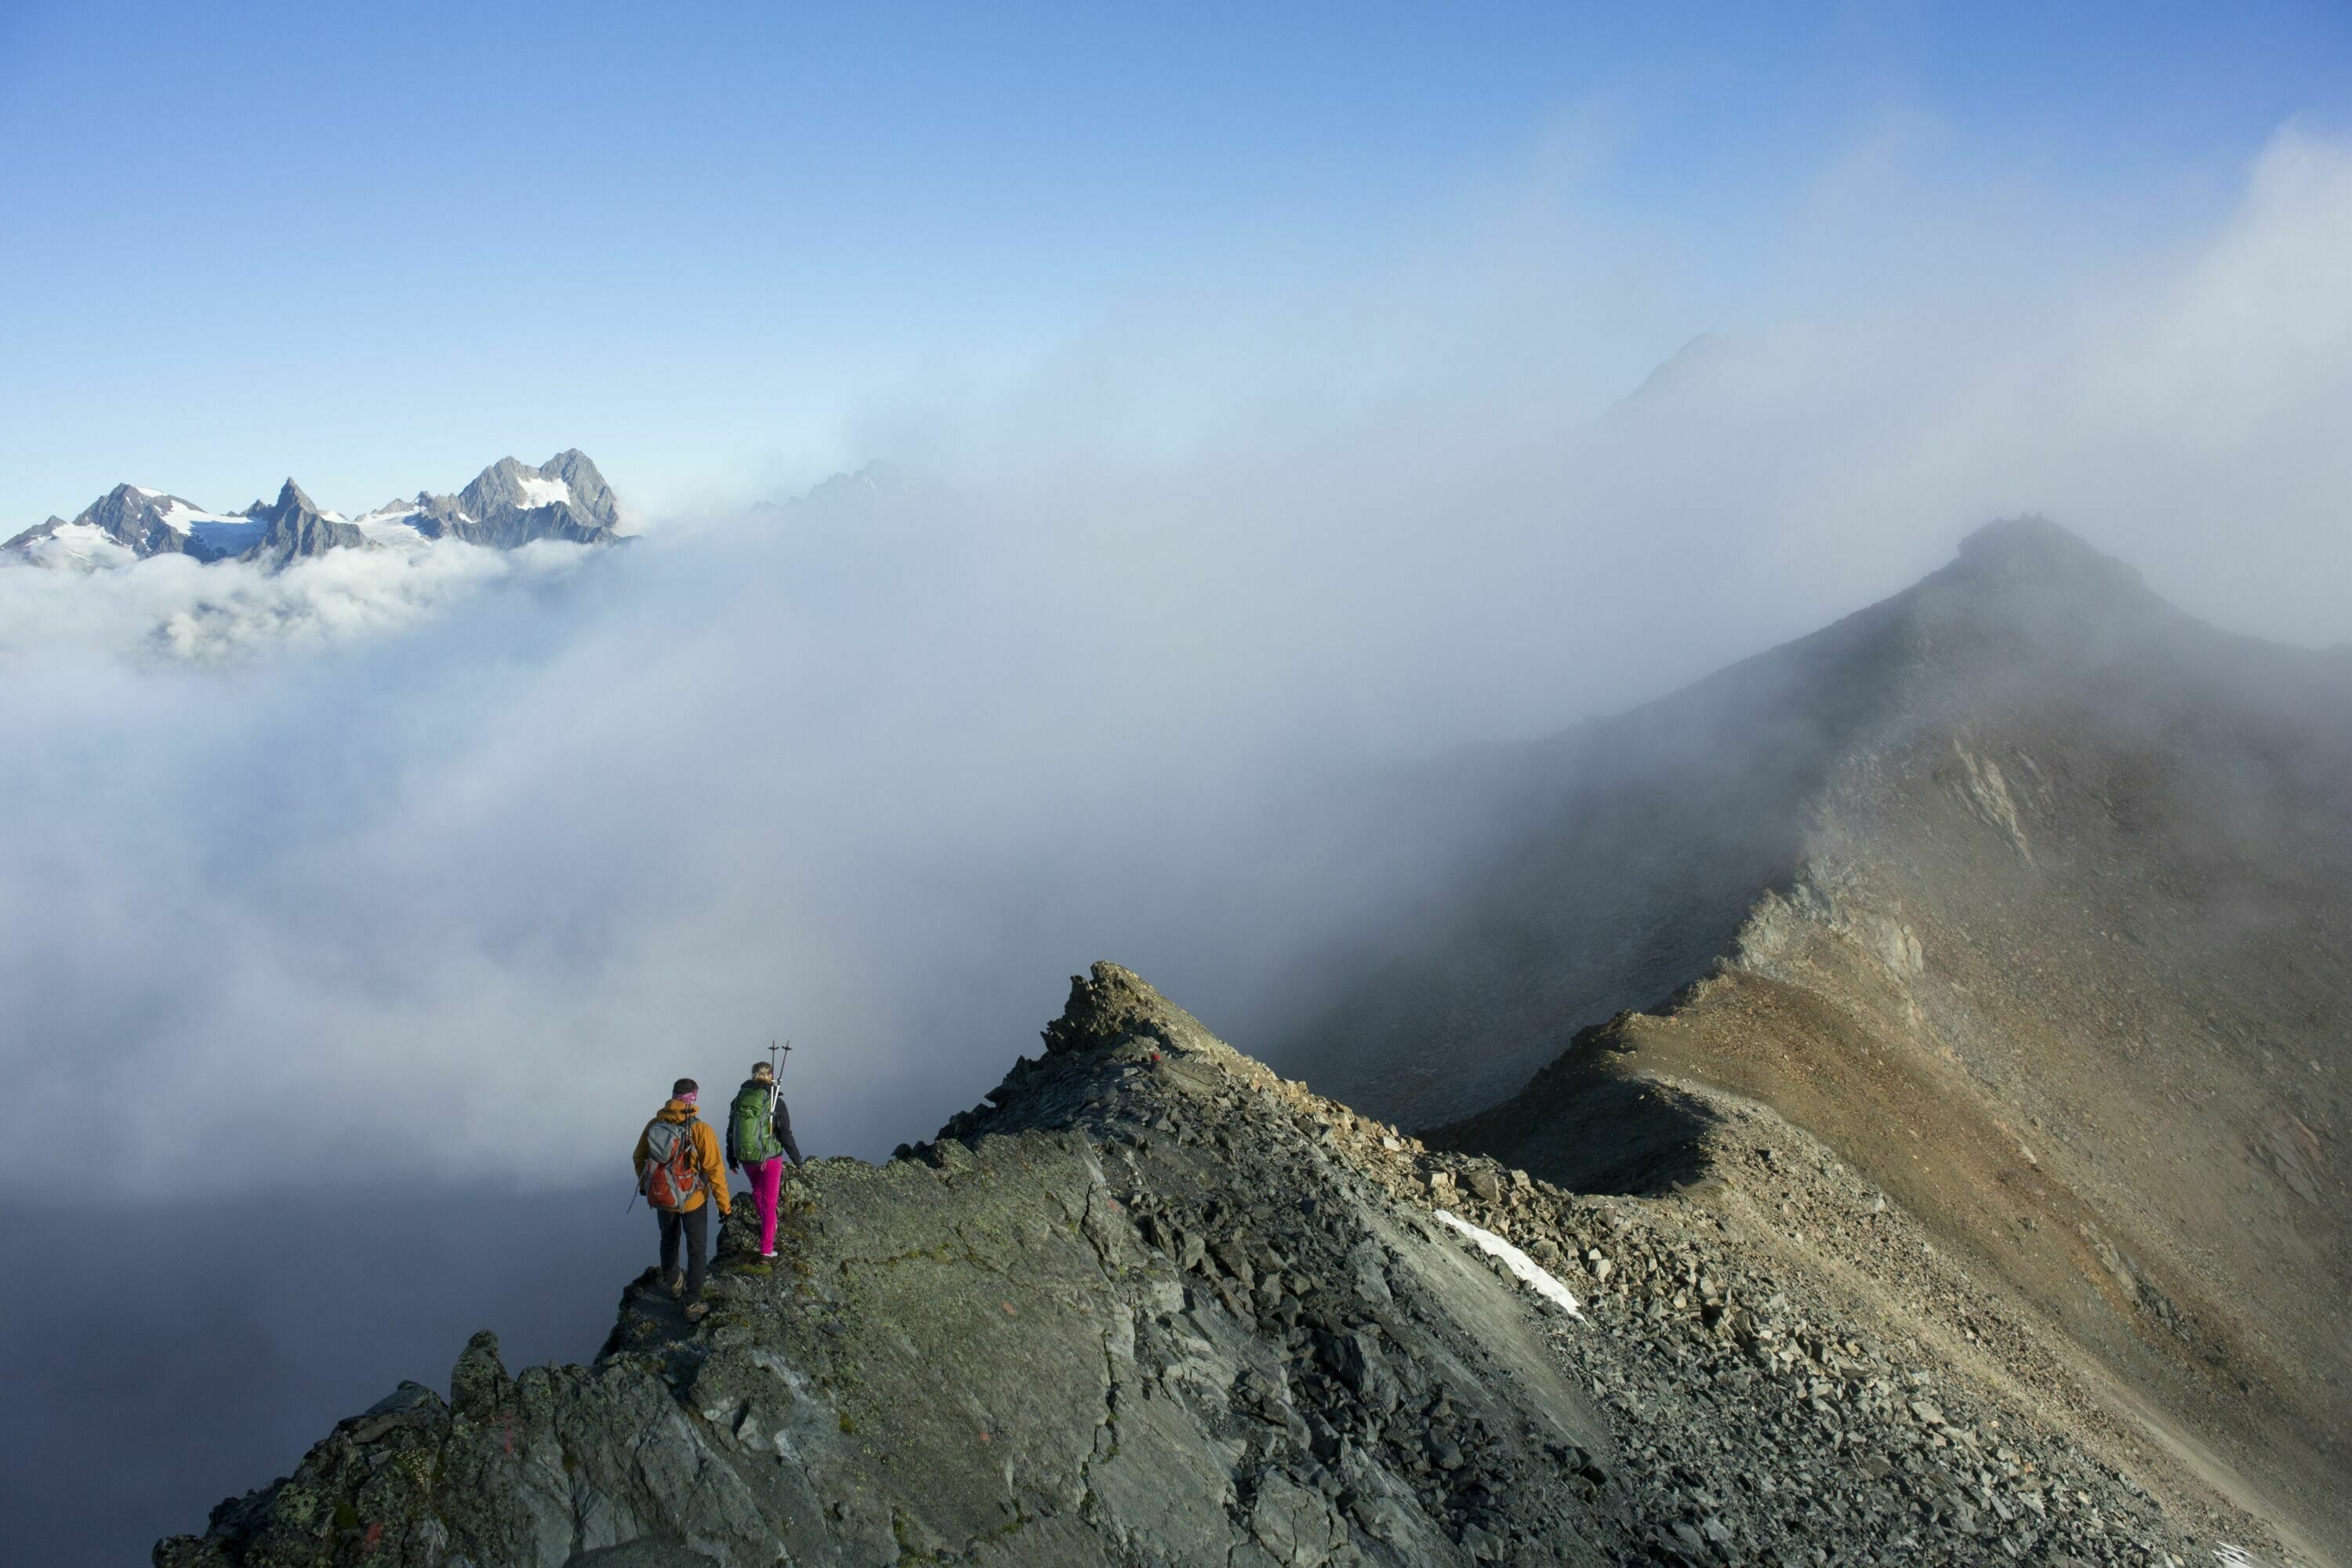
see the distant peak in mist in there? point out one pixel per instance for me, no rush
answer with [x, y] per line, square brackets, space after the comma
[2034, 545]
[1686, 366]
[879, 479]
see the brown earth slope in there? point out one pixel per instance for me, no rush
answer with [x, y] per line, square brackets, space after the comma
[2031, 897]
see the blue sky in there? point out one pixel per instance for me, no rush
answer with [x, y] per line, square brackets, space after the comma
[725, 247]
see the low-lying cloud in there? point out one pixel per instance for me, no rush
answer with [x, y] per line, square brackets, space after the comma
[382, 867]
[174, 607]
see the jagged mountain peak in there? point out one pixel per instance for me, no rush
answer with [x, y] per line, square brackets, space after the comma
[508, 504]
[128, 523]
[1687, 366]
[295, 529]
[123, 503]
[878, 480]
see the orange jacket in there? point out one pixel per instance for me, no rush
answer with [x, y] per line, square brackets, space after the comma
[706, 1152]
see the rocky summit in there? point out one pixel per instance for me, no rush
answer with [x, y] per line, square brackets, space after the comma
[1152, 1304]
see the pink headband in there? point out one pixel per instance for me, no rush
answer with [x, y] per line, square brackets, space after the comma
[688, 1098]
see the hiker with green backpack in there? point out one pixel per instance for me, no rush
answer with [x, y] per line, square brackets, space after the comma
[678, 1172]
[758, 1136]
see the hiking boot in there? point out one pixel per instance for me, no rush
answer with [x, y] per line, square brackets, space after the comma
[697, 1311]
[768, 1255]
[677, 1286]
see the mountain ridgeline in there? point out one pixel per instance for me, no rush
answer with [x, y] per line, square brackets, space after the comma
[2028, 893]
[507, 505]
[1151, 1304]
[1883, 1104]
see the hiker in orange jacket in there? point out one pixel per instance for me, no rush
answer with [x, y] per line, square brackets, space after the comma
[679, 1170]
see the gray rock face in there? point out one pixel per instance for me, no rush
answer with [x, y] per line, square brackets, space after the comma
[1153, 1305]
[590, 494]
[294, 529]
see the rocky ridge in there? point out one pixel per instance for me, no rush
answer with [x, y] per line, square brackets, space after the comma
[1151, 1303]
[2023, 890]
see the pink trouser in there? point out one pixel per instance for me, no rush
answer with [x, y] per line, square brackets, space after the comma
[767, 1181]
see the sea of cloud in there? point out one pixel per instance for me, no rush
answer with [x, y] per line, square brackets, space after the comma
[443, 864]
[176, 607]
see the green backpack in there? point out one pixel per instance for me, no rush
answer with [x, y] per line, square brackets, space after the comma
[755, 1137]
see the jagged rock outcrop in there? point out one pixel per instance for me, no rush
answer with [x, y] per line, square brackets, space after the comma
[2028, 893]
[1152, 1304]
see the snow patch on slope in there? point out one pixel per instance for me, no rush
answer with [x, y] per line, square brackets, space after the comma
[1530, 1271]
[227, 534]
[390, 526]
[182, 517]
[80, 546]
[545, 493]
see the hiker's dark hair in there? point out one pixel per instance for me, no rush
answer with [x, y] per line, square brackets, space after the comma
[683, 1086]
[759, 1068]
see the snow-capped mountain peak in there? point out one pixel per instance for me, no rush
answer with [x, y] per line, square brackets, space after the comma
[507, 505]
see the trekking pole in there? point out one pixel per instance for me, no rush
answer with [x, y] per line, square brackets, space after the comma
[776, 1073]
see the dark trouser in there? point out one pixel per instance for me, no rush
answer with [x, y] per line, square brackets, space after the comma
[694, 1223]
